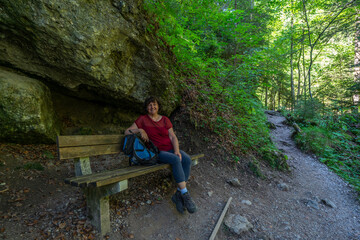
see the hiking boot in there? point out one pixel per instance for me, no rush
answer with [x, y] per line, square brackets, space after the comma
[188, 203]
[177, 199]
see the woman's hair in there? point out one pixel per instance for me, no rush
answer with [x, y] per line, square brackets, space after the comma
[150, 100]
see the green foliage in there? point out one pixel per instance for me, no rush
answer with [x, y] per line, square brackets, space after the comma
[336, 142]
[33, 166]
[322, 47]
[48, 154]
[275, 158]
[307, 110]
[314, 139]
[255, 168]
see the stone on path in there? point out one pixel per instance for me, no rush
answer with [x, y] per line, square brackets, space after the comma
[328, 203]
[234, 182]
[311, 203]
[246, 202]
[283, 187]
[237, 224]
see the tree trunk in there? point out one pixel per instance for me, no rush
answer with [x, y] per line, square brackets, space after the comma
[251, 9]
[309, 72]
[304, 71]
[266, 97]
[311, 47]
[279, 96]
[291, 61]
[357, 60]
[299, 76]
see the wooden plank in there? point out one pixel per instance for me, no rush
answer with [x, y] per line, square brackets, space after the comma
[82, 180]
[88, 140]
[118, 175]
[87, 151]
[218, 224]
[130, 175]
[197, 156]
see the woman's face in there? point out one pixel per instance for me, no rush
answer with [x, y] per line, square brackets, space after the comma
[153, 108]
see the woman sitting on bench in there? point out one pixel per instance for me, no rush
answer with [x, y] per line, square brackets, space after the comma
[160, 131]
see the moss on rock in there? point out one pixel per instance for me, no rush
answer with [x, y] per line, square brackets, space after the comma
[26, 110]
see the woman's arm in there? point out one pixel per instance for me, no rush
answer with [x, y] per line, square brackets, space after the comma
[134, 129]
[175, 142]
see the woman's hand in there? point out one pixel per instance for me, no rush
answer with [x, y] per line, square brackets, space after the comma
[134, 129]
[144, 136]
[178, 154]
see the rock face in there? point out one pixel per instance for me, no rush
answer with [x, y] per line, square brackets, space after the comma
[26, 110]
[98, 59]
[93, 50]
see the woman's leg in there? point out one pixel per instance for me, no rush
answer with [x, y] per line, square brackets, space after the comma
[181, 173]
[186, 164]
[177, 167]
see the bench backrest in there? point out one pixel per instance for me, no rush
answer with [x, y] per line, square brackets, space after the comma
[78, 146]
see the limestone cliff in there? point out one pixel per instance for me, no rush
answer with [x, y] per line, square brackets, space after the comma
[93, 51]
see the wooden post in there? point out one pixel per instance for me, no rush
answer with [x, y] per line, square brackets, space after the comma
[212, 237]
[98, 210]
[97, 200]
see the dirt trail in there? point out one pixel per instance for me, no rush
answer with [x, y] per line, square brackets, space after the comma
[310, 181]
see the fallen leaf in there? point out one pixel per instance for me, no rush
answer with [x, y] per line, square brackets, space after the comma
[81, 222]
[131, 236]
[18, 204]
[62, 225]
[2, 230]
[33, 223]
[91, 237]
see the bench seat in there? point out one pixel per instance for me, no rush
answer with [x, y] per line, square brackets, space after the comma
[108, 177]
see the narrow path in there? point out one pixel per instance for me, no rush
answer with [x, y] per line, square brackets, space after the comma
[305, 214]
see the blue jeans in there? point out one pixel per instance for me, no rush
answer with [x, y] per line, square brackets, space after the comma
[181, 169]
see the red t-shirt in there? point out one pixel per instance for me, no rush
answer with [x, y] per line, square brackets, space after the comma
[158, 132]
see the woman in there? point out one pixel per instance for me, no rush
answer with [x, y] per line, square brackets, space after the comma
[159, 130]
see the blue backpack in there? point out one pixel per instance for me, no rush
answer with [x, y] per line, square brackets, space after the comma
[140, 153]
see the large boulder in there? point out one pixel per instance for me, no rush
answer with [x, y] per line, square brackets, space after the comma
[26, 110]
[94, 50]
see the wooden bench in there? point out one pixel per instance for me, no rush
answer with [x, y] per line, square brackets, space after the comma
[99, 186]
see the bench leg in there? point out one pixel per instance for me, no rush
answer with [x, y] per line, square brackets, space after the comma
[97, 200]
[98, 210]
